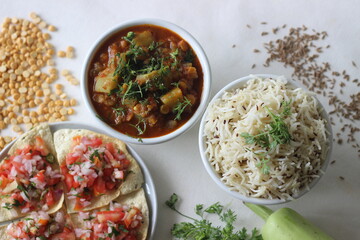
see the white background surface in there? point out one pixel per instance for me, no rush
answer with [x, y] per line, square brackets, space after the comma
[176, 166]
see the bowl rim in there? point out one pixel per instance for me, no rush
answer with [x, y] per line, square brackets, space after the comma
[239, 83]
[204, 62]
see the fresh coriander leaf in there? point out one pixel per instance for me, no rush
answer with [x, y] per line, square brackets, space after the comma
[215, 208]
[129, 37]
[120, 111]
[140, 125]
[265, 169]
[189, 56]
[204, 230]
[94, 154]
[172, 201]
[100, 117]
[198, 209]
[180, 108]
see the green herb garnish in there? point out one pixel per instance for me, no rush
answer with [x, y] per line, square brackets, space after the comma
[202, 229]
[94, 154]
[140, 125]
[120, 111]
[9, 206]
[278, 133]
[180, 107]
[23, 189]
[114, 232]
[265, 169]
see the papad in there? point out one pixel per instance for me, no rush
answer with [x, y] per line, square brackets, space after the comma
[28, 138]
[134, 180]
[136, 199]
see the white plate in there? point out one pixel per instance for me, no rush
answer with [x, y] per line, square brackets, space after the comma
[148, 185]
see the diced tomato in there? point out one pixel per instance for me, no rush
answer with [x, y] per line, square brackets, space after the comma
[71, 159]
[78, 205]
[43, 221]
[49, 198]
[3, 182]
[125, 163]
[110, 147]
[130, 237]
[52, 181]
[67, 234]
[69, 180]
[110, 185]
[90, 180]
[99, 186]
[108, 172]
[14, 231]
[27, 205]
[40, 176]
[84, 237]
[19, 167]
[92, 142]
[129, 217]
[113, 216]
[40, 146]
[76, 140]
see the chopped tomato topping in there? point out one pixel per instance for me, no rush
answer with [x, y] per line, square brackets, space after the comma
[112, 216]
[94, 166]
[33, 177]
[99, 186]
[129, 217]
[50, 198]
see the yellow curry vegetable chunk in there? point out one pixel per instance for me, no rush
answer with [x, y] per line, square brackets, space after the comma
[143, 78]
[144, 39]
[172, 97]
[105, 81]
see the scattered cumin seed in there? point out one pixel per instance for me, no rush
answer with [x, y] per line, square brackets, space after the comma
[263, 23]
[264, 33]
[332, 162]
[256, 50]
[341, 178]
[253, 66]
[354, 64]
[248, 26]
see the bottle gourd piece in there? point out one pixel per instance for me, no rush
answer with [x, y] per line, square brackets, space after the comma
[286, 224]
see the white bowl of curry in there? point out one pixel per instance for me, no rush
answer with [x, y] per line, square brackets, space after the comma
[146, 81]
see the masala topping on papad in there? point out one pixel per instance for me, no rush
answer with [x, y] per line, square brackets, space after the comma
[40, 226]
[97, 168]
[30, 178]
[127, 217]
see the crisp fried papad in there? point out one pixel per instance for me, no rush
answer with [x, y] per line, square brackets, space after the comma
[43, 132]
[135, 199]
[64, 144]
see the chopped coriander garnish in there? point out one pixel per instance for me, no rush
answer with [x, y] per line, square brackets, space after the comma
[265, 169]
[120, 111]
[278, 133]
[203, 229]
[180, 108]
[94, 154]
[140, 126]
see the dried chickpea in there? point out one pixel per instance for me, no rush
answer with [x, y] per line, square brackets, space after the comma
[71, 111]
[61, 54]
[73, 102]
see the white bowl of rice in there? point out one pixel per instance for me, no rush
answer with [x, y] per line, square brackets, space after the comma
[265, 140]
